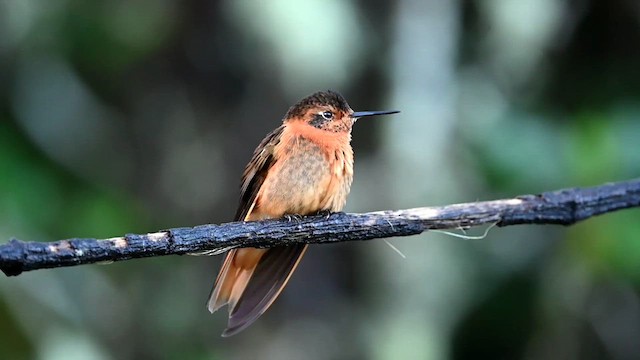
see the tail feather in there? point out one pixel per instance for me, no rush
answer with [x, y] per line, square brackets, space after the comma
[233, 277]
[250, 280]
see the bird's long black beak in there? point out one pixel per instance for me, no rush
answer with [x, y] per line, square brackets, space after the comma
[359, 114]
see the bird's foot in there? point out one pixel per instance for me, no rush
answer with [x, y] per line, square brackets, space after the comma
[291, 217]
[325, 213]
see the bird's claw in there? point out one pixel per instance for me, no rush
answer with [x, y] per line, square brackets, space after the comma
[325, 213]
[291, 217]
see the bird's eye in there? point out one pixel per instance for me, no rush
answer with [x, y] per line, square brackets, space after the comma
[327, 115]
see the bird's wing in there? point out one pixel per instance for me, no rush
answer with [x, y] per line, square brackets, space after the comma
[251, 279]
[255, 173]
[252, 179]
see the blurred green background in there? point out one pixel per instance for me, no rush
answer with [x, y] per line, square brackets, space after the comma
[132, 116]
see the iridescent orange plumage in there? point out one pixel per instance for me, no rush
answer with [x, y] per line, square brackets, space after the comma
[303, 167]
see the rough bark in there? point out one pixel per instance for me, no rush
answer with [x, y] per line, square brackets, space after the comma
[563, 207]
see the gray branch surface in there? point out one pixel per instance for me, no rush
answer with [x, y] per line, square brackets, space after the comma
[563, 207]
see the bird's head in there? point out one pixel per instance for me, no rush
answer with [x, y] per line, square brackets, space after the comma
[328, 110]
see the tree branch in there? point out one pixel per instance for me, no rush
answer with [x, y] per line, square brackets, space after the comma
[564, 207]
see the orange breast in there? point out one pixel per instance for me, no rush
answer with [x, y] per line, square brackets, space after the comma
[312, 173]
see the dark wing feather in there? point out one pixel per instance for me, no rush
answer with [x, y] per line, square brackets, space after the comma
[256, 171]
[276, 265]
[268, 280]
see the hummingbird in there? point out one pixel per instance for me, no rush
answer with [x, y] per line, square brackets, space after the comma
[303, 167]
